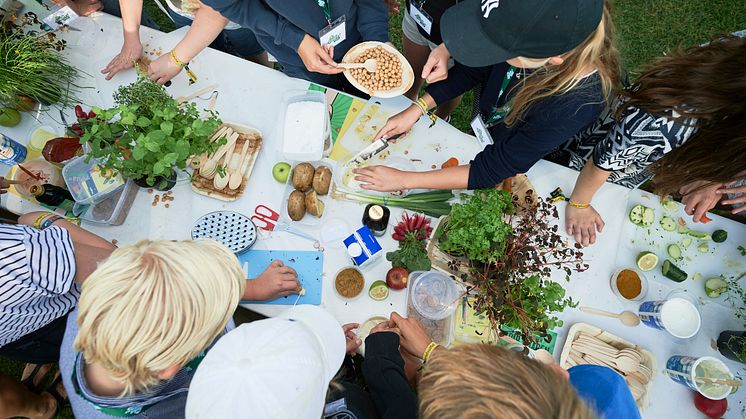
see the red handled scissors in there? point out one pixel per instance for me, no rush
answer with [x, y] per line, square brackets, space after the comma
[265, 217]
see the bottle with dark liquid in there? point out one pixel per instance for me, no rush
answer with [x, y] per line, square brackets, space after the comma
[50, 194]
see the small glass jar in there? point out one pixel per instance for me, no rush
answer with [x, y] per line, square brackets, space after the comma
[376, 218]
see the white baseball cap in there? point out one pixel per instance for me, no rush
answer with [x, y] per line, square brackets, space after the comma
[274, 368]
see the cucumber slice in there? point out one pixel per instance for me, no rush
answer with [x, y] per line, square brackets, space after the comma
[648, 217]
[719, 236]
[715, 286]
[686, 242]
[674, 251]
[673, 272]
[683, 230]
[669, 204]
[703, 247]
[699, 234]
[635, 215]
[668, 223]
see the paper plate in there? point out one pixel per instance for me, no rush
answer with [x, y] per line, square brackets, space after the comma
[407, 72]
[236, 231]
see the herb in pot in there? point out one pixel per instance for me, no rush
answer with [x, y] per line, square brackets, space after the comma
[411, 233]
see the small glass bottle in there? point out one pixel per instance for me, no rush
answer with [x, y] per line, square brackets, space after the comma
[50, 194]
[376, 218]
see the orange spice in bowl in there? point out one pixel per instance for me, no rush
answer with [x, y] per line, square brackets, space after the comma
[629, 284]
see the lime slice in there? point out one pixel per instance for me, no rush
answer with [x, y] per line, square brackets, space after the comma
[646, 261]
[378, 290]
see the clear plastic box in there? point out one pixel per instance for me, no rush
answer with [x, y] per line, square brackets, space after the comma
[113, 210]
[86, 183]
[289, 147]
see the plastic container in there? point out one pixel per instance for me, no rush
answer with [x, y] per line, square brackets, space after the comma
[643, 285]
[692, 372]
[434, 294]
[112, 210]
[86, 183]
[292, 148]
[676, 315]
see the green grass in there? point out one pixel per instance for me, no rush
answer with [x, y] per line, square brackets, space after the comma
[645, 28]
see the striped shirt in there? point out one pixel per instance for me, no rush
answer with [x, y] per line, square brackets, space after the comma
[37, 272]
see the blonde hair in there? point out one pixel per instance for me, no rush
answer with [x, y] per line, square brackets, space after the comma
[598, 50]
[156, 304]
[486, 381]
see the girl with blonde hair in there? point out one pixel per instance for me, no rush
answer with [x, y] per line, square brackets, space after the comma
[547, 69]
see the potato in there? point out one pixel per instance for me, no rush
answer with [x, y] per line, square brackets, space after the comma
[313, 205]
[296, 205]
[322, 178]
[303, 177]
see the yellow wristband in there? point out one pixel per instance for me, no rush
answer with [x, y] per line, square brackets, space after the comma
[429, 351]
[37, 222]
[176, 59]
[578, 205]
[423, 105]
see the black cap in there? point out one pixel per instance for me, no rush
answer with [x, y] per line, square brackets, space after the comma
[481, 33]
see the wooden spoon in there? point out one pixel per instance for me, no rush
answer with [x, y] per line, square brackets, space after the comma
[370, 64]
[237, 175]
[221, 179]
[209, 169]
[627, 318]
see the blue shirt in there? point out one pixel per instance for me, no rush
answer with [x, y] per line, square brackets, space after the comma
[604, 391]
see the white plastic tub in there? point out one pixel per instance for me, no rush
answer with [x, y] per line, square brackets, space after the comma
[303, 136]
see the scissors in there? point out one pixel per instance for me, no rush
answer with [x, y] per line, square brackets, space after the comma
[268, 219]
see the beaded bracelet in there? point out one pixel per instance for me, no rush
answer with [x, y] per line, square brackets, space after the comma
[429, 351]
[578, 205]
[49, 221]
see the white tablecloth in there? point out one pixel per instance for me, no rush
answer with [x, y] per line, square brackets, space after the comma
[251, 94]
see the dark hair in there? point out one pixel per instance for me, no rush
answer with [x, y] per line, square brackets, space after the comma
[704, 87]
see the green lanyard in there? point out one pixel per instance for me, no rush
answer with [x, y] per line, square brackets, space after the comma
[324, 4]
[499, 113]
[132, 410]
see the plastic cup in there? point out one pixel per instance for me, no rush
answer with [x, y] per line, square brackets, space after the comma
[39, 137]
[435, 295]
[677, 316]
[685, 370]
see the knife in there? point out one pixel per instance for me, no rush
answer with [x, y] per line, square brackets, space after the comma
[374, 148]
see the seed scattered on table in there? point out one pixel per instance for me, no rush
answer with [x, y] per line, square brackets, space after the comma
[114, 241]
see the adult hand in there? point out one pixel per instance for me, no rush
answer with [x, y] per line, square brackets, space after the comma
[401, 122]
[380, 178]
[276, 281]
[131, 51]
[163, 69]
[699, 197]
[414, 338]
[393, 6]
[436, 66]
[316, 58]
[85, 7]
[351, 338]
[4, 185]
[582, 223]
[729, 189]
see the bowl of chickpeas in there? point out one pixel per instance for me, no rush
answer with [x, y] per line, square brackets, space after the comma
[393, 77]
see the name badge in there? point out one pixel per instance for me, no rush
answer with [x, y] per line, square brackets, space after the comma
[481, 132]
[334, 34]
[420, 16]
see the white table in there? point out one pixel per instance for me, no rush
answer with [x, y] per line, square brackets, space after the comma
[251, 94]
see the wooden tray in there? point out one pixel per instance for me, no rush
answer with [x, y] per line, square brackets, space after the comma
[407, 78]
[615, 341]
[205, 187]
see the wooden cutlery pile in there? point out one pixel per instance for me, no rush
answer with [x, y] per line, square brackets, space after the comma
[628, 362]
[231, 171]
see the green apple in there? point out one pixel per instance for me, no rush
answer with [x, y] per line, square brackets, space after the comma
[281, 172]
[9, 117]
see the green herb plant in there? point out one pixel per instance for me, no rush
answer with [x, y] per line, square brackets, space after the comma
[148, 135]
[32, 65]
[511, 259]
[736, 297]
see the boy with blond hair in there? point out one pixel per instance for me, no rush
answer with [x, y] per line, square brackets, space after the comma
[145, 319]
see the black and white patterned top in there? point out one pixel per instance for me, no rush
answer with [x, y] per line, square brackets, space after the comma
[37, 279]
[625, 147]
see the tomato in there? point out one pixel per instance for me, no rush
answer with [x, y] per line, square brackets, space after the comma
[705, 219]
[714, 409]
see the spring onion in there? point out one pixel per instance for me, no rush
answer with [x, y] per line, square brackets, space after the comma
[433, 203]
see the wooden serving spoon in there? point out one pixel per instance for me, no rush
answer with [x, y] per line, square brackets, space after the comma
[371, 65]
[221, 179]
[627, 318]
[237, 175]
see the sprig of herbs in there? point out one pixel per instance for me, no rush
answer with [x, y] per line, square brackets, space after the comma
[411, 254]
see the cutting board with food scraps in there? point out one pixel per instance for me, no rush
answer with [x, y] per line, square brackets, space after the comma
[308, 265]
[427, 148]
[694, 248]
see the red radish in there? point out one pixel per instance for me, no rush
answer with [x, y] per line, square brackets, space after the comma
[714, 409]
[79, 112]
[91, 115]
[418, 225]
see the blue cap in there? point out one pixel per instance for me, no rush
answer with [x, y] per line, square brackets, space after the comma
[604, 391]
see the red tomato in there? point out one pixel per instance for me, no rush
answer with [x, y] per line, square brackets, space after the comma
[714, 409]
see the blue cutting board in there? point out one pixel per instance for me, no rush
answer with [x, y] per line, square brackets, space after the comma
[308, 264]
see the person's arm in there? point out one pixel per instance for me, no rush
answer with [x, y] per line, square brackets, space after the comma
[207, 25]
[383, 370]
[738, 202]
[77, 234]
[132, 48]
[261, 19]
[582, 223]
[372, 20]
[460, 80]
[85, 7]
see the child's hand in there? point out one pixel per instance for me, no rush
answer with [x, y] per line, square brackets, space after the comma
[276, 281]
[730, 189]
[699, 197]
[582, 223]
[4, 185]
[353, 342]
